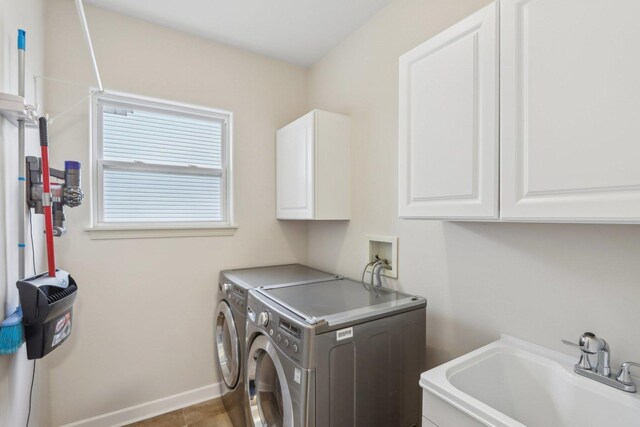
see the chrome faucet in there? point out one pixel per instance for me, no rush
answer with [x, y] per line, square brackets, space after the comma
[589, 345]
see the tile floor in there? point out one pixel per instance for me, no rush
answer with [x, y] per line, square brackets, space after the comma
[206, 414]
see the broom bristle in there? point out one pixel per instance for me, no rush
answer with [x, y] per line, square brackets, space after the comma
[11, 338]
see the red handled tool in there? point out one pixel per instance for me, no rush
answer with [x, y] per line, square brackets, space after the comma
[46, 195]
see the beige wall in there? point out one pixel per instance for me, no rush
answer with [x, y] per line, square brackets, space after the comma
[144, 313]
[16, 370]
[539, 282]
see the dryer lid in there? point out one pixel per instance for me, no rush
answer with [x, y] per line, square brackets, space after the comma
[340, 301]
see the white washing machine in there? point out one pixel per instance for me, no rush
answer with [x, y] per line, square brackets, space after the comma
[229, 326]
[334, 354]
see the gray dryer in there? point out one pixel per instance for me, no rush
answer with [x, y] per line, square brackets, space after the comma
[334, 354]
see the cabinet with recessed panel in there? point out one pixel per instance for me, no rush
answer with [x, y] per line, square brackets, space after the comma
[525, 111]
[312, 168]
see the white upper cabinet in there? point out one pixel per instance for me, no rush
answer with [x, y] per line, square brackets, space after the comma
[569, 115]
[570, 86]
[312, 167]
[295, 169]
[448, 133]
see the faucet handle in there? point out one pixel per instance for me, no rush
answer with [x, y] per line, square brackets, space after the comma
[624, 375]
[584, 361]
[572, 344]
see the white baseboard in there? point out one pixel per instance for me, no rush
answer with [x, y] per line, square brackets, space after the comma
[151, 409]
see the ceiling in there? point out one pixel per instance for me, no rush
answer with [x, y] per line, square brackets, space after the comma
[296, 31]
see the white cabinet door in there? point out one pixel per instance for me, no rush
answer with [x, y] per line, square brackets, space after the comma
[570, 88]
[294, 169]
[448, 123]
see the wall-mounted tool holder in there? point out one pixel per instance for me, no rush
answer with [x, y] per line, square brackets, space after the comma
[47, 307]
[47, 299]
[14, 108]
[66, 193]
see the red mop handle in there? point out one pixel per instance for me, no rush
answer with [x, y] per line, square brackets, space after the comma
[46, 196]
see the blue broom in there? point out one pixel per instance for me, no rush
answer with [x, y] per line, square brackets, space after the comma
[11, 333]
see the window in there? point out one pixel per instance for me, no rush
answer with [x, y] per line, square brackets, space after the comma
[160, 164]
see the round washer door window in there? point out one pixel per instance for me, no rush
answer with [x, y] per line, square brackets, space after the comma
[227, 345]
[269, 397]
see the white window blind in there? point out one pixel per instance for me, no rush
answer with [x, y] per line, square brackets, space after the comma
[160, 163]
[161, 138]
[134, 196]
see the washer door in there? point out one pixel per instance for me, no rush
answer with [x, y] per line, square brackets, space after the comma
[269, 397]
[227, 345]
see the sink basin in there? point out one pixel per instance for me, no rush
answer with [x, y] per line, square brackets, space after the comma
[511, 382]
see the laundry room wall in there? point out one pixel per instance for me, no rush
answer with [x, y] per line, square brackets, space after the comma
[539, 282]
[16, 370]
[144, 314]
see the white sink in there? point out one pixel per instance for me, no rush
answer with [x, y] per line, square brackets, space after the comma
[511, 382]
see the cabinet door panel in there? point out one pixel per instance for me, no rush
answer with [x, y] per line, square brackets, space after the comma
[448, 139]
[570, 110]
[294, 166]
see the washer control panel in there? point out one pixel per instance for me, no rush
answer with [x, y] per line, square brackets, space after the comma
[234, 294]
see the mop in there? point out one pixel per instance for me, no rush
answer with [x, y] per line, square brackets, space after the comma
[11, 329]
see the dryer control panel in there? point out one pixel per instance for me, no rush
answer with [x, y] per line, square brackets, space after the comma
[234, 294]
[289, 336]
[282, 330]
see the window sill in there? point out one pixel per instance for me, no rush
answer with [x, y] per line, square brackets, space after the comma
[115, 232]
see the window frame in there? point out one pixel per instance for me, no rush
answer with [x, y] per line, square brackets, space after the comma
[99, 165]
